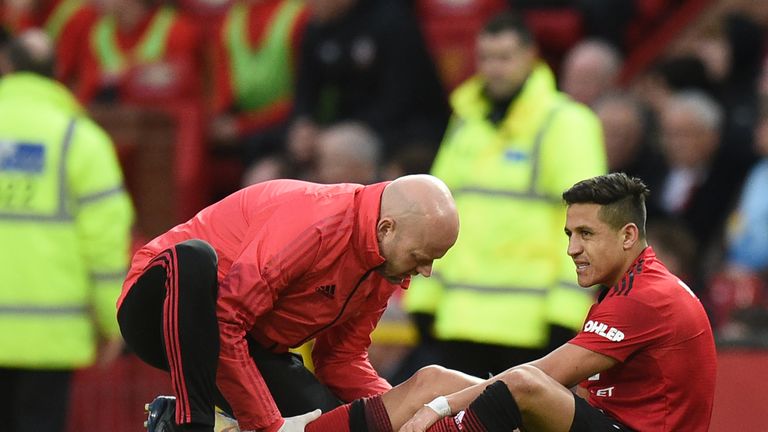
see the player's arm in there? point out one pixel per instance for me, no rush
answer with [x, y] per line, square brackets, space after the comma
[569, 365]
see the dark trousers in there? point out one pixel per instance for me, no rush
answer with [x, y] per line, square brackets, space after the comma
[476, 359]
[473, 358]
[34, 400]
[169, 320]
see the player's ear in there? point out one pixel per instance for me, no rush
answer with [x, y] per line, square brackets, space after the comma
[631, 235]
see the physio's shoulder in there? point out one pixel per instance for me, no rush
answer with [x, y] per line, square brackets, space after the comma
[297, 205]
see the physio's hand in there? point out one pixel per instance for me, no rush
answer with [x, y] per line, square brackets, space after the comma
[297, 423]
[421, 421]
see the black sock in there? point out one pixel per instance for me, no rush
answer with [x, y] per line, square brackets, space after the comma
[369, 415]
[496, 408]
[357, 422]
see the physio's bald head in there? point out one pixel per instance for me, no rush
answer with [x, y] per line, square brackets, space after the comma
[418, 223]
[423, 197]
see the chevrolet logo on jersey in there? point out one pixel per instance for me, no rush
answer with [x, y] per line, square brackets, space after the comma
[598, 328]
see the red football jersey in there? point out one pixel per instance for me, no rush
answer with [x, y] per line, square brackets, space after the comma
[654, 325]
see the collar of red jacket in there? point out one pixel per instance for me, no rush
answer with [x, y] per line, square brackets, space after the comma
[368, 203]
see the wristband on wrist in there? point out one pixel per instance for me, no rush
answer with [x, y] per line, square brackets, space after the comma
[440, 406]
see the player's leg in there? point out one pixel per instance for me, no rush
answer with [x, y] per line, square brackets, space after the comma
[388, 412]
[588, 419]
[168, 319]
[522, 398]
[426, 384]
[525, 398]
[543, 403]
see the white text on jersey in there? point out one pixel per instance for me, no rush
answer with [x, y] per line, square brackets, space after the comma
[598, 328]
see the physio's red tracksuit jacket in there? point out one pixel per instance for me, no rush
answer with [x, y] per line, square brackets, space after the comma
[278, 243]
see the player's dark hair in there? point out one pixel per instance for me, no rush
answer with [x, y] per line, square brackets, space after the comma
[622, 199]
[509, 21]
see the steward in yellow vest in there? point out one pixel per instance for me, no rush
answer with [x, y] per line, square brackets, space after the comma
[513, 146]
[64, 233]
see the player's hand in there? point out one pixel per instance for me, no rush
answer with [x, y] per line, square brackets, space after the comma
[421, 421]
[297, 423]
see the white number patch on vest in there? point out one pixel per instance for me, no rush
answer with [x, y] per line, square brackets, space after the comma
[20, 165]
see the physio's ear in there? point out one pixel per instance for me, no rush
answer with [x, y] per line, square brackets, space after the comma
[384, 227]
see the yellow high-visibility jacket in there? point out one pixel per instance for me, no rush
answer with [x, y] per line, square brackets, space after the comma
[508, 276]
[64, 227]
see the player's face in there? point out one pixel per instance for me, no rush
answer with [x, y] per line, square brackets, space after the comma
[408, 251]
[596, 248]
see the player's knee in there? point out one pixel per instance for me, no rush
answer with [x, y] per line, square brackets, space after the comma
[427, 376]
[526, 383]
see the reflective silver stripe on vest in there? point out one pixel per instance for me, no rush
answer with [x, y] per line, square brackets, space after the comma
[537, 144]
[42, 310]
[62, 212]
[490, 289]
[531, 193]
[524, 195]
[108, 276]
[97, 196]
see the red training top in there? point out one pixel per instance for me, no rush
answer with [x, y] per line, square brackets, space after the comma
[296, 262]
[654, 325]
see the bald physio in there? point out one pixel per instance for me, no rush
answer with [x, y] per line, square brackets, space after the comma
[418, 224]
[421, 195]
[269, 268]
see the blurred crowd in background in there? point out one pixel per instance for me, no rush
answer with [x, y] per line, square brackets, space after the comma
[358, 91]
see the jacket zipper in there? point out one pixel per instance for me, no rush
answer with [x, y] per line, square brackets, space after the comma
[341, 312]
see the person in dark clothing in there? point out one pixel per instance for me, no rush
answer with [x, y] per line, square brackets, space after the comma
[366, 60]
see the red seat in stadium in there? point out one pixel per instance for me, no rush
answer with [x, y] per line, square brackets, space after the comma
[556, 30]
[450, 27]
